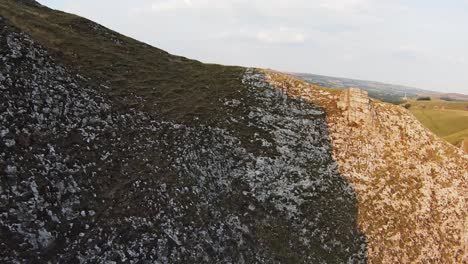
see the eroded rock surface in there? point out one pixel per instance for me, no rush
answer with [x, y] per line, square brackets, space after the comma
[286, 177]
[356, 105]
[82, 182]
[464, 145]
[411, 186]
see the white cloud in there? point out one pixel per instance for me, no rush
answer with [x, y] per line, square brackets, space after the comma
[166, 5]
[281, 36]
[345, 5]
[264, 5]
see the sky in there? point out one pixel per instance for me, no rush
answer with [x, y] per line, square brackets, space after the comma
[420, 43]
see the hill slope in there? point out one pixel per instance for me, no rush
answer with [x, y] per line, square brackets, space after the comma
[112, 150]
[448, 120]
[407, 180]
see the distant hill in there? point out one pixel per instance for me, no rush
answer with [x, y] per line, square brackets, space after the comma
[447, 96]
[391, 93]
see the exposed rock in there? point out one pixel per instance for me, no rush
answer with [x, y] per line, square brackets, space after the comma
[356, 105]
[98, 185]
[285, 178]
[411, 186]
[464, 145]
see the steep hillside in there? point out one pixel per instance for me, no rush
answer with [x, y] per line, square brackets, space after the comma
[411, 186]
[112, 151]
[174, 86]
[82, 181]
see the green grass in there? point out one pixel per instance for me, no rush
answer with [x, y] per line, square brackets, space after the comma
[137, 75]
[457, 138]
[448, 120]
[141, 76]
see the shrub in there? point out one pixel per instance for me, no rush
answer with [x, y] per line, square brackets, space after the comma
[424, 98]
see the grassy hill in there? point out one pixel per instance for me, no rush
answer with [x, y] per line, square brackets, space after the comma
[163, 155]
[448, 120]
[175, 87]
[132, 74]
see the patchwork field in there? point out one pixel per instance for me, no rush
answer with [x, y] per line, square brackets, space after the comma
[448, 120]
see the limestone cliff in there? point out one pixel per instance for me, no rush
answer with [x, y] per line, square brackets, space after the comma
[411, 185]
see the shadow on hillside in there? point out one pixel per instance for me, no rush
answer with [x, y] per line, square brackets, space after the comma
[328, 210]
[141, 190]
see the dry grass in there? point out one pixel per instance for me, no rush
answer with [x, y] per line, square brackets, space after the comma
[448, 120]
[141, 76]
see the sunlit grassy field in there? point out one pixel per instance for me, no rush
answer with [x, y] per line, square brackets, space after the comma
[448, 120]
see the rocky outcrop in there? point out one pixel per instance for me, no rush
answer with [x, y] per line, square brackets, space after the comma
[411, 186]
[464, 145]
[356, 106]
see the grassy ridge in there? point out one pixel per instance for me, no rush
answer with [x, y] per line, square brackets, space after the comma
[140, 76]
[135, 75]
[448, 120]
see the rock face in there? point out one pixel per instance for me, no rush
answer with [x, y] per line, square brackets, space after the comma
[356, 106]
[464, 145]
[411, 186]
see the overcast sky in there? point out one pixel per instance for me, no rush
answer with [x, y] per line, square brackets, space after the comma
[421, 43]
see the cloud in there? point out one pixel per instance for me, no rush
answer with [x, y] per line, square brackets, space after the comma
[263, 5]
[167, 5]
[408, 52]
[412, 53]
[345, 5]
[281, 36]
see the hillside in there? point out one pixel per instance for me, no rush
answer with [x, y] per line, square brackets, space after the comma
[174, 86]
[383, 91]
[448, 120]
[112, 151]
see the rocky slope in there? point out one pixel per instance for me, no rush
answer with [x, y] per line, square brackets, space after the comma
[411, 186]
[82, 182]
[265, 169]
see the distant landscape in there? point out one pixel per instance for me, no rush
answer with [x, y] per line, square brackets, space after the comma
[390, 93]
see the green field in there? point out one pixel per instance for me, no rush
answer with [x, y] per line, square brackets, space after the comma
[448, 120]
